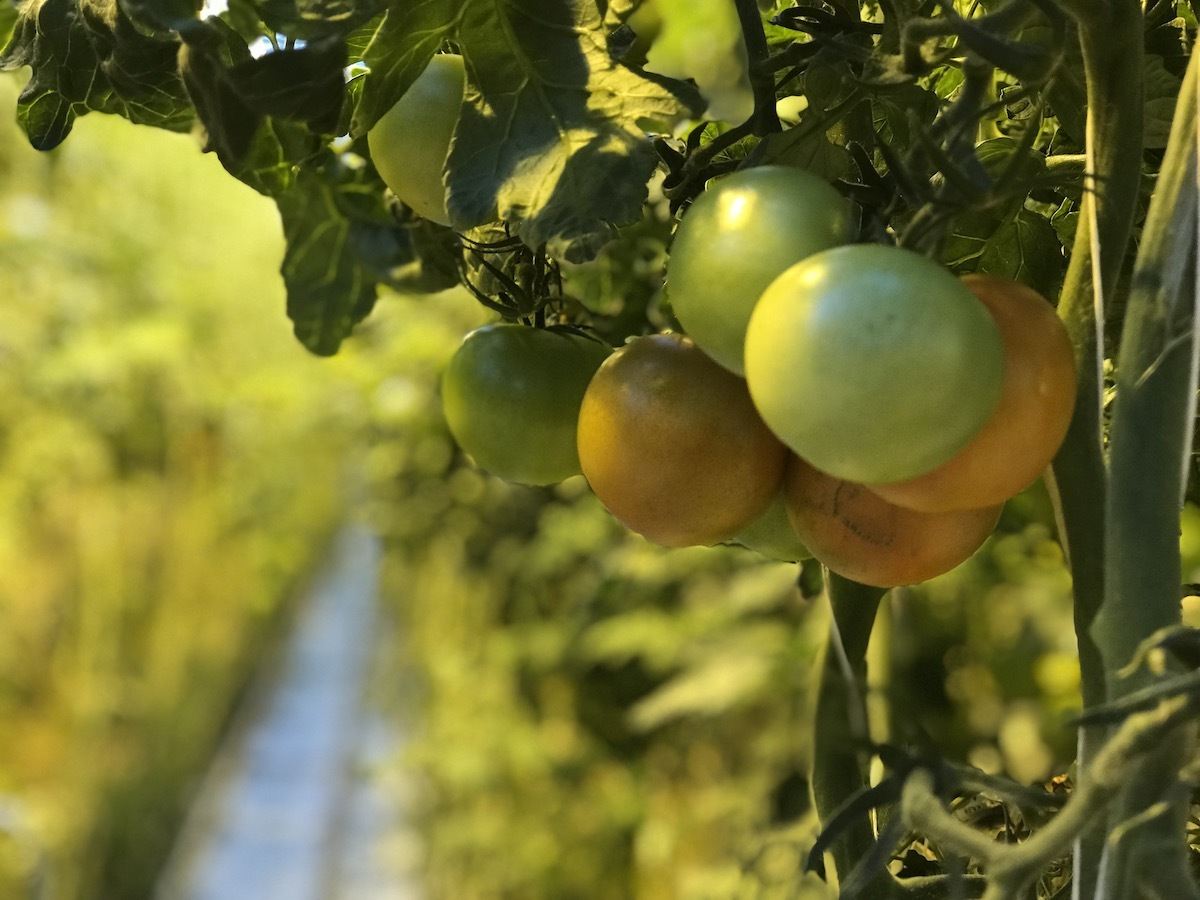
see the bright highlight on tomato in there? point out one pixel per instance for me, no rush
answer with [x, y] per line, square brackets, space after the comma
[511, 397]
[1020, 439]
[672, 446]
[735, 239]
[410, 142]
[861, 536]
[873, 363]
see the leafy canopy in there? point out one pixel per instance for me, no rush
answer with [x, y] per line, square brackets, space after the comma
[959, 134]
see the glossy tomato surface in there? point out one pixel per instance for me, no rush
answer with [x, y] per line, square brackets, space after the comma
[1019, 440]
[410, 142]
[738, 236]
[672, 446]
[772, 535]
[873, 363]
[511, 397]
[861, 536]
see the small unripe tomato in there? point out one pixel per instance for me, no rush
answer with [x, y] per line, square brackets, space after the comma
[741, 233]
[1037, 399]
[511, 397]
[873, 363]
[673, 447]
[410, 142]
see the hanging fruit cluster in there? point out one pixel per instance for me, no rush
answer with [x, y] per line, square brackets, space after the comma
[854, 402]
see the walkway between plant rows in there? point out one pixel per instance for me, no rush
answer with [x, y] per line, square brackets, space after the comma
[304, 801]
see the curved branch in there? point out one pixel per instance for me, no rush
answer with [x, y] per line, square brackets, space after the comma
[1012, 868]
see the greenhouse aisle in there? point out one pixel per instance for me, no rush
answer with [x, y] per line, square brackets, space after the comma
[298, 804]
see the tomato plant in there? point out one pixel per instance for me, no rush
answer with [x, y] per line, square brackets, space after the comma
[511, 396]
[735, 239]
[1022, 435]
[872, 363]
[1051, 143]
[672, 445]
[410, 141]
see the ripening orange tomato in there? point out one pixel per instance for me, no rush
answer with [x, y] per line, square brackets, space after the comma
[671, 444]
[1037, 398]
[861, 536]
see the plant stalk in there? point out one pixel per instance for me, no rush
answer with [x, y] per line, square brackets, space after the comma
[840, 727]
[1150, 446]
[1078, 478]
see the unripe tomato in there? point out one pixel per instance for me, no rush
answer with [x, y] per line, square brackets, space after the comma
[511, 397]
[1036, 402]
[772, 535]
[735, 239]
[672, 445]
[861, 536]
[873, 363]
[410, 142]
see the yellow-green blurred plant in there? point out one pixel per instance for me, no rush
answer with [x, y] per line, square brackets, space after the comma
[170, 466]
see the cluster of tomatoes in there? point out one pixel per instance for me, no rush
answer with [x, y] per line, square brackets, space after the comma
[859, 401]
[854, 402]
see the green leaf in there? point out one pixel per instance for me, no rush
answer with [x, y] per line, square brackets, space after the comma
[1162, 90]
[341, 243]
[230, 125]
[8, 19]
[88, 56]
[315, 19]
[897, 110]
[396, 49]
[702, 40]
[1024, 247]
[549, 136]
[305, 84]
[807, 146]
[1065, 92]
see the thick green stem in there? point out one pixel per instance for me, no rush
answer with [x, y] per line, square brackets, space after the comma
[839, 732]
[1150, 443]
[1078, 478]
[762, 81]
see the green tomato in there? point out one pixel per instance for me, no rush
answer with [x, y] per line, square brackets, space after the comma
[410, 142]
[772, 535]
[740, 234]
[872, 363]
[511, 397]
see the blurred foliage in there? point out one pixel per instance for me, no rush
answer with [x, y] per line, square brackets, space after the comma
[594, 716]
[170, 467]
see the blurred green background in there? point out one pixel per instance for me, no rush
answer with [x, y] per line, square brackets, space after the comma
[590, 716]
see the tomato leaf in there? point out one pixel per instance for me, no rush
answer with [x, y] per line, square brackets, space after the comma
[8, 19]
[342, 242]
[314, 19]
[1024, 247]
[304, 84]
[396, 48]
[229, 123]
[88, 56]
[702, 40]
[1162, 90]
[550, 135]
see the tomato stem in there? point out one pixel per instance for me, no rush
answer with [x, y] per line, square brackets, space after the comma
[762, 81]
[1079, 477]
[1150, 446]
[840, 736]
